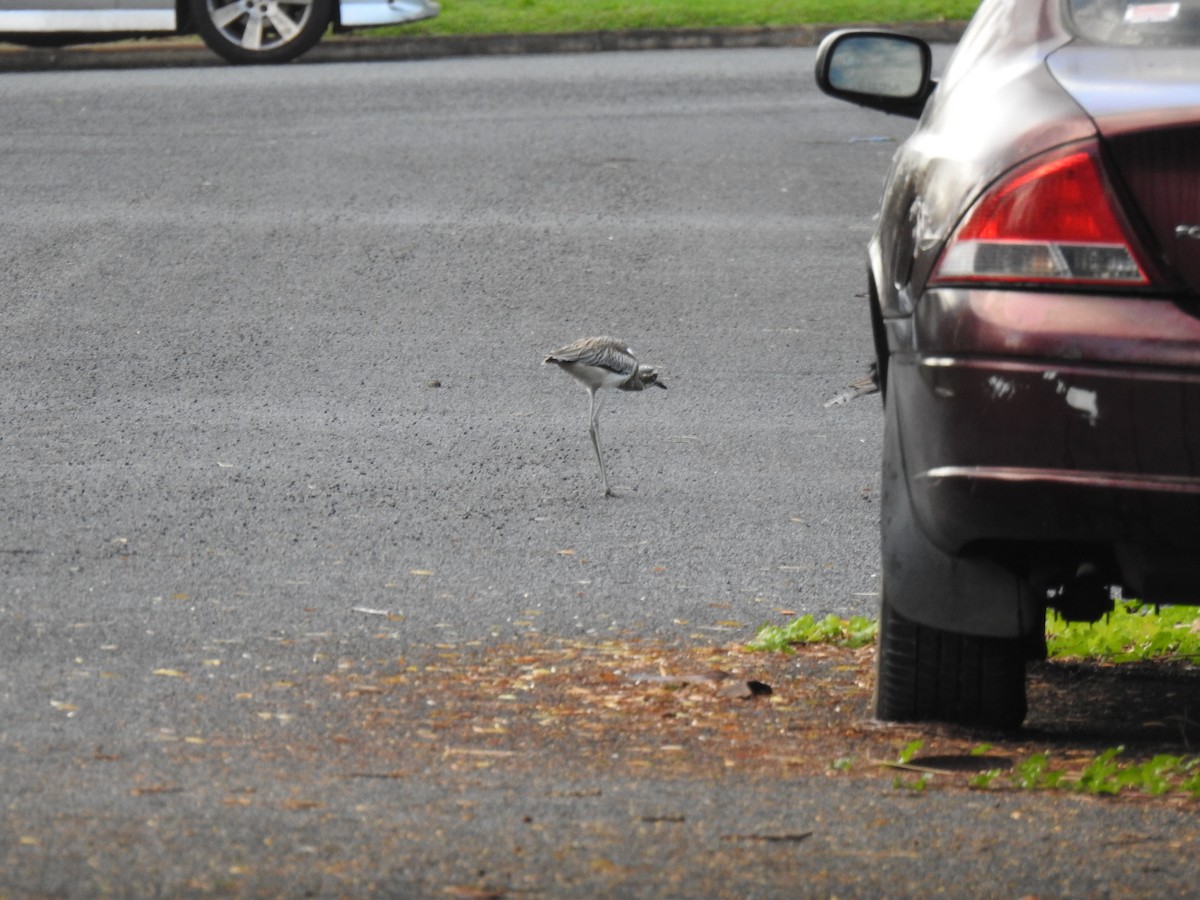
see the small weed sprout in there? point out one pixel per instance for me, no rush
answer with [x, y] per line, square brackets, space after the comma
[911, 749]
[1102, 775]
[983, 780]
[916, 785]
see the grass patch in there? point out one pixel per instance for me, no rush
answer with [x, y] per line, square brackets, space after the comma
[523, 16]
[857, 631]
[1133, 632]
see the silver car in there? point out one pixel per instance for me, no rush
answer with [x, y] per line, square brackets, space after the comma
[242, 31]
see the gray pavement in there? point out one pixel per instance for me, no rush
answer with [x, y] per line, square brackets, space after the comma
[187, 51]
[274, 339]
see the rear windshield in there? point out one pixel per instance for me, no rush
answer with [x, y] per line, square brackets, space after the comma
[1124, 23]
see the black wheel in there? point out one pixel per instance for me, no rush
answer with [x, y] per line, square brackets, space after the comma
[261, 31]
[969, 667]
[928, 674]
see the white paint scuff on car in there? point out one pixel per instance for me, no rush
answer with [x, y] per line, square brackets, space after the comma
[1077, 398]
[1084, 401]
[1002, 388]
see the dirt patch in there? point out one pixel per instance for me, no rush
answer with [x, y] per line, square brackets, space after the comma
[695, 711]
[550, 768]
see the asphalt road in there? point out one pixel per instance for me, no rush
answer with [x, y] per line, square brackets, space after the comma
[273, 412]
[229, 295]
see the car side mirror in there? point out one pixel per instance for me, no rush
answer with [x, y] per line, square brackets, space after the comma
[889, 72]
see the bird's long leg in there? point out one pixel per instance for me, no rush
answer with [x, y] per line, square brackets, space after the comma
[594, 431]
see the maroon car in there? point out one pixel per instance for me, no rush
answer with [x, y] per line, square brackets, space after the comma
[1035, 301]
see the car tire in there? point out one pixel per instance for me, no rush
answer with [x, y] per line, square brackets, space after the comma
[260, 31]
[926, 674]
[930, 673]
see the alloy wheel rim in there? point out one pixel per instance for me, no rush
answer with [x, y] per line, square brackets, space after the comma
[260, 25]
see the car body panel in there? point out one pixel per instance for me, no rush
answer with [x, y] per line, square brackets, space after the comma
[358, 13]
[1073, 457]
[1116, 330]
[1159, 169]
[153, 16]
[1057, 393]
[86, 16]
[1125, 88]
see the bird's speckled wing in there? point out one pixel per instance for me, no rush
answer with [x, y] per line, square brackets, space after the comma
[602, 352]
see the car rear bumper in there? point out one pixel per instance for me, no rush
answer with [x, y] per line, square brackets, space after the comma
[1045, 418]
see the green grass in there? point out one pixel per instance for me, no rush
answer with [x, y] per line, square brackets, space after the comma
[518, 16]
[857, 631]
[1133, 632]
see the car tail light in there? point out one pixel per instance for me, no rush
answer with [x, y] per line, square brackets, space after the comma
[1053, 221]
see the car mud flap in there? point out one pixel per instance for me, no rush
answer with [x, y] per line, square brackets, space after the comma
[966, 594]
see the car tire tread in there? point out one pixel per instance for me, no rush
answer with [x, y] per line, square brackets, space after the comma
[925, 674]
